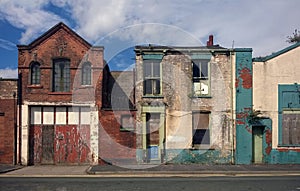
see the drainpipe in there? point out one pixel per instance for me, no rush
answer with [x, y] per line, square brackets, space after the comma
[15, 129]
[232, 105]
[20, 115]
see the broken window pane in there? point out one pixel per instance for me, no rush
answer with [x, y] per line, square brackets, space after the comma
[201, 77]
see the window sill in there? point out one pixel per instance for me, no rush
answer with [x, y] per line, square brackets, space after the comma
[126, 129]
[288, 146]
[35, 86]
[202, 147]
[153, 96]
[60, 93]
[86, 86]
[201, 96]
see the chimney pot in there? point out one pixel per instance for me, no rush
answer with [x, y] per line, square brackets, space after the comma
[210, 41]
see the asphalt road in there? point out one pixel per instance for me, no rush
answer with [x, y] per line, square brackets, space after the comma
[287, 183]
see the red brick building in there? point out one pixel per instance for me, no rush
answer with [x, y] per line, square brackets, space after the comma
[73, 109]
[117, 133]
[8, 121]
[61, 91]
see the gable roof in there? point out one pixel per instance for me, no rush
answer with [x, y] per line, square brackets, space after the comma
[273, 55]
[50, 32]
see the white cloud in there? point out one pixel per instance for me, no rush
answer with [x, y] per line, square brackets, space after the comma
[8, 73]
[7, 44]
[259, 24]
[28, 16]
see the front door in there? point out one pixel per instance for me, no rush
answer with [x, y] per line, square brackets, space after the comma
[48, 144]
[152, 137]
[257, 140]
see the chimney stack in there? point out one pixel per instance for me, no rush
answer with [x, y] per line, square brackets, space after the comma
[210, 41]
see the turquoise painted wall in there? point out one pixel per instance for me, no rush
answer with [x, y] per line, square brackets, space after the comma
[275, 156]
[243, 152]
[187, 156]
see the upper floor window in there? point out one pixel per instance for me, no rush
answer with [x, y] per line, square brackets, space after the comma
[86, 74]
[61, 75]
[201, 81]
[201, 133]
[35, 73]
[152, 77]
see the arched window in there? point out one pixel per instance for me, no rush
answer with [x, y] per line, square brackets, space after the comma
[35, 76]
[86, 74]
[61, 75]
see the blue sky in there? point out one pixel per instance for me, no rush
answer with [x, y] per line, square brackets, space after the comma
[119, 25]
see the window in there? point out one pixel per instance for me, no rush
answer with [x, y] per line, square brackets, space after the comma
[289, 114]
[61, 75]
[127, 122]
[86, 74]
[291, 128]
[201, 85]
[59, 115]
[201, 134]
[151, 77]
[35, 75]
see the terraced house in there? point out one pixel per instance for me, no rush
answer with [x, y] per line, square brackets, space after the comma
[202, 104]
[188, 99]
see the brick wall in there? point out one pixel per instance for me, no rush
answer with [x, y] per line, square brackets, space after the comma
[7, 120]
[116, 144]
[59, 42]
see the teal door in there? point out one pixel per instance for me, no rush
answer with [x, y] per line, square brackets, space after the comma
[257, 140]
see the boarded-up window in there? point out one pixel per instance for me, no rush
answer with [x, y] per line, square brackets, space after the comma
[201, 134]
[61, 116]
[127, 122]
[36, 115]
[152, 125]
[85, 116]
[48, 115]
[291, 128]
[73, 115]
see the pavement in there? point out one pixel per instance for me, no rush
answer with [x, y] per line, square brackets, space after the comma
[164, 170]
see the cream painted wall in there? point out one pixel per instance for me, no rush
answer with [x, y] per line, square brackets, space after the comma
[283, 69]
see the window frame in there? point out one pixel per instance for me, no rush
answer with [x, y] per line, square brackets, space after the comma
[86, 76]
[282, 132]
[35, 73]
[207, 130]
[126, 128]
[153, 78]
[287, 103]
[201, 79]
[65, 75]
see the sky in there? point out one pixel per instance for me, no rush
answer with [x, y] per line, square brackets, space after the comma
[119, 25]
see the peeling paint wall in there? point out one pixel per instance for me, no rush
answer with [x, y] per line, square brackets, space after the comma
[243, 75]
[177, 97]
[75, 138]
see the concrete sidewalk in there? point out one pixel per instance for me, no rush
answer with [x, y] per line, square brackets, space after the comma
[8, 168]
[169, 170]
[196, 170]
